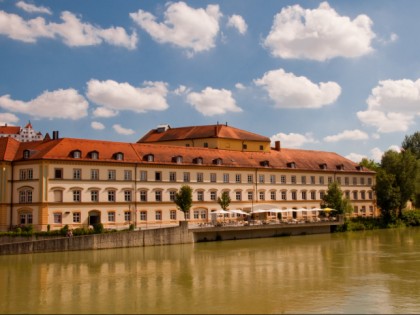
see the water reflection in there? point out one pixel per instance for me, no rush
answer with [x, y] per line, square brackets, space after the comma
[366, 272]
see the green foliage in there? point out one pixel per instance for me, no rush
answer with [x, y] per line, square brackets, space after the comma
[412, 143]
[183, 198]
[224, 200]
[98, 228]
[370, 164]
[334, 199]
[411, 217]
[131, 227]
[64, 230]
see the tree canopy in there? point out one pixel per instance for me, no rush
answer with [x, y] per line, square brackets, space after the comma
[224, 200]
[183, 198]
[334, 199]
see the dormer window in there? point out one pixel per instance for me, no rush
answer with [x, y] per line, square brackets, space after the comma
[94, 155]
[359, 168]
[340, 167]
[265, 163]
[217, 161]
[177, 159]
[119, 156]
[323, 166]
[206, 144]
[198, 160]
[76, 154]
[26, 154]
[149, 157]
[291, 165]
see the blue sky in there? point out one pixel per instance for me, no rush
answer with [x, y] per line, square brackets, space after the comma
[341, 76]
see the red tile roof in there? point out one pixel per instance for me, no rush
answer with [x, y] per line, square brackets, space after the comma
[8, 148]
[201, 132]
[9, 130]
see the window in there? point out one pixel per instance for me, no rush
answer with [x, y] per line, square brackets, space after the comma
[250, 178]
[25, 218]
[94, 155]
[261, 147]
[172, 176]
[321, 194]
[58, 173]
[312, 180]
[244, 146]
[355, 195]
[111, 216]
[186, 177]
[362, 195]
[172, 195]
[111, 195]
[150, 158]
[262, 195]
[158, 195]
[369, 181]
[26, 154]
[347, 193]
[293, 179]
[94, 195]
[77, 195]
[77, 173]
[200, 177]
[272, 195]
[158, 176]
[143, 195]
[362, 181]
[26, 174]
[294, 195]
[213, 195]
[77, 154]
[143, 215]
[127, 215]
[213, 177]
[225, 177]
[178, 159]
[321, 180]
[143, 176]
[205, 144]
[111, 174]
[158, 215]
[119, 156]
[25, 196]
[127, 195]
[370, 195]
[283, 195]
[250, 195]
[272, 179]
[346, 181]
[238, 178]
[128, 174]
[200, 195]
[203, 214]
[330, 179]
[354, 180]
[94, 174]
[217, 161]
[304, 195]
[283, 179]
[303, 180]
[172, 214]
[238, 196]
[57, 218]
[196, 214]
[339, 180]
[313, 195]
[76, 217]
[261, 179]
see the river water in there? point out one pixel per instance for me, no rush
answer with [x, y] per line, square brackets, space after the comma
[356, 272]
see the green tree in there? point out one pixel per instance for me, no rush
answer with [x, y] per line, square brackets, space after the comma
[224, 200]
[334, 199]
[370, 164]
[402, 170]
[387, 195]
[412, 143]
[183, 198]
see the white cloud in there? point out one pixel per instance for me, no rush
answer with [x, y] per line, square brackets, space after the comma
[183, 26]
[392, 105]
[293, 140]
[356, 157]
[376, 154]
[8, 118]
[290, 91]
[237, 21]
[116, 96]
[97, 125]
[62, 104]
[30, 8]
[348, 135]
[181, 90]
[318, 34]
[212, 102]
[72, 31]
[123, 131]
[395, 148]
[240, 86]
[104, 112]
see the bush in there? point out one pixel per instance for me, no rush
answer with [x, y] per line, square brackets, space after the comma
[411, 217]
[98, 228]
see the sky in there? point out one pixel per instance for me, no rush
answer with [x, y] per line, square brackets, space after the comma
[338, 76]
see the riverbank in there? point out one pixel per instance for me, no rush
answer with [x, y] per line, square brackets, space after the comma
[182, 234]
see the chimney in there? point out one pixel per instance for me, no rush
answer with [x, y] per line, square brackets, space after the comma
[55, 134]
[277, 145]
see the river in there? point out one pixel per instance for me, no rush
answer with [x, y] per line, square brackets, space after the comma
[355, 272]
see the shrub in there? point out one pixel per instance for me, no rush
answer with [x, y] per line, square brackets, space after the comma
[98, 228]
[411, 217]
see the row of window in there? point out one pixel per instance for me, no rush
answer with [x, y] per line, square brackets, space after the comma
[26, 174]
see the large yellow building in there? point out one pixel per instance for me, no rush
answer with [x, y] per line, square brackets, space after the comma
[81, 182]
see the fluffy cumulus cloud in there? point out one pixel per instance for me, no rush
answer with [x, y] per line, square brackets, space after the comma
[183, 26]
[113, 96]
[290, 91]
[318, 34]
[30, 8]
[58, 104]
[392, 105]
[348, 135]
[123, 131]
[355, 157]
[72, 31]
[293, 140]
[211, 102]
[97, 125]
[238, 22]
[8, 118]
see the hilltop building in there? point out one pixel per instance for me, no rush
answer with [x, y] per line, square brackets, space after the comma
[80, 182]
[22, 134]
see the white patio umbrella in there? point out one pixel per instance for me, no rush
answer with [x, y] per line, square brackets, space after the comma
[237, 211]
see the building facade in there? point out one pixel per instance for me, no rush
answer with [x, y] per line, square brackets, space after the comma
[81, 182]
[22, 134]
